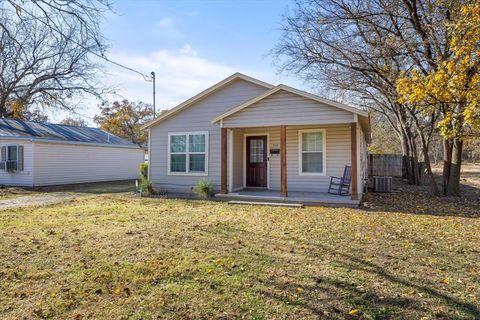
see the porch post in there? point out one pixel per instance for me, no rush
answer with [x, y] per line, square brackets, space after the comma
[223, 166]
[353, 143]
[283, 161]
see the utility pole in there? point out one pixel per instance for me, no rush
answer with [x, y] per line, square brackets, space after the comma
[153, 80]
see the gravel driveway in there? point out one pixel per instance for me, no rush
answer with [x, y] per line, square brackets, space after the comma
[34, 200]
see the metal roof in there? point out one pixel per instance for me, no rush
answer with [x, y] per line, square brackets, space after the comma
[19, 129]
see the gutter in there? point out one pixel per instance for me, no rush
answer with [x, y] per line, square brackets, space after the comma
[81, 143]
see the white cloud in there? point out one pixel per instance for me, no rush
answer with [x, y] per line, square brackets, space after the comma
[167, 28]
[179, 75]
[188, 50]
[165, 23]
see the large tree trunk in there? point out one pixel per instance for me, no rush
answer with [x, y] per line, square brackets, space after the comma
[409, 147]
[453, 186]
[406, 167]
[3, 106]
[415, 164]
[447, 164]
[409, 160]
[428, 167]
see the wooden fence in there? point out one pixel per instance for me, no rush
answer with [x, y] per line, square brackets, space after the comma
[385, 165]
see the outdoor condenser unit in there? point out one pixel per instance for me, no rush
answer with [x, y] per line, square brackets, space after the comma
[382, 184]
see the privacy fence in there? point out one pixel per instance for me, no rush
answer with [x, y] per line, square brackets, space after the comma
[385, 165]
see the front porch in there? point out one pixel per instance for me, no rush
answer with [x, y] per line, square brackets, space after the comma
[277, 152]
[305, 198]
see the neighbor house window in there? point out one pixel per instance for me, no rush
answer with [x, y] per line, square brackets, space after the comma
[11, 158]
[312, 152]
[188, 152]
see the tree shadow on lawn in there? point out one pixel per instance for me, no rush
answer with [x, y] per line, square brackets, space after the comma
[333, 297]
[418, 200]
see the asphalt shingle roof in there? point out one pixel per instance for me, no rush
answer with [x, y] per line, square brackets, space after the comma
[13, 128]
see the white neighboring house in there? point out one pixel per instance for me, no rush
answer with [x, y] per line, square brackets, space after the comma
[42, 154]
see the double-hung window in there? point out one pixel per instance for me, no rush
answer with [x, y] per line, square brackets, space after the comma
[11, 158]
[187, 153]
[312, 152]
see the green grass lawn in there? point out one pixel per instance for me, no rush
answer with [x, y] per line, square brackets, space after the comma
[120, 257]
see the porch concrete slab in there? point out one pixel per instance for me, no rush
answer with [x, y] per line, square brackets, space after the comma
[271, 204]
[306, 198]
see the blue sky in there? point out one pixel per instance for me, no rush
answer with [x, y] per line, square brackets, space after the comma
[190, 45]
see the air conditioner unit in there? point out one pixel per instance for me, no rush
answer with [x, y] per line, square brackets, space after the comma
[382, 184]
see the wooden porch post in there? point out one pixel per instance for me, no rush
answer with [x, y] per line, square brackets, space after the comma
[353, 143]
[223, 187]
[283, 161]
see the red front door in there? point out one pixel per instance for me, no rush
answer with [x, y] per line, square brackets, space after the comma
[257, 161]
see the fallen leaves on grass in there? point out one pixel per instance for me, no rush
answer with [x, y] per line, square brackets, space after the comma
[353, 312]
[124, 257]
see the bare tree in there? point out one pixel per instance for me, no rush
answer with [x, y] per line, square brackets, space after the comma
[361, 47]
[384, 137]
[49, 53]
[56, 14]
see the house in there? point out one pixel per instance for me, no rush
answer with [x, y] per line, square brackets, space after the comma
[42, 154]
[256, 140]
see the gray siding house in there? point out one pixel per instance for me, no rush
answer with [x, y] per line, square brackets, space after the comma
[253, 140]
[43, 154]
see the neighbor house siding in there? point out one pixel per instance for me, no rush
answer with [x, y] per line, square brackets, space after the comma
[69, 163]
[337, 156]
[19, 178]
[196, 118]
[285, 108]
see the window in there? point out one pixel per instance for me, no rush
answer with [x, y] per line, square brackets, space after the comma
[188, 153]
[256, 151]
[12, 158]
[312, 152]
[12, 153]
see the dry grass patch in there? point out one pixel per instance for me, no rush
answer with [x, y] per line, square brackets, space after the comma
[11, 192]
[119, 257]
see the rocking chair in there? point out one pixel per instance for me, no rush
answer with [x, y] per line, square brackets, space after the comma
[341, 186]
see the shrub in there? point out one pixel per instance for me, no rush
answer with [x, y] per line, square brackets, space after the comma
[204, 188]
[143, 168]
[147, 186]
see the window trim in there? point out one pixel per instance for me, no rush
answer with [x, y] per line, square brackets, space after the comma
[300, 152]
[8, 146]
[187, 154]
[6, 157]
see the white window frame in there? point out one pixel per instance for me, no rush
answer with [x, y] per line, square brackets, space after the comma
[300, 152]
[187, 154]
[6, 156]
[11, 145]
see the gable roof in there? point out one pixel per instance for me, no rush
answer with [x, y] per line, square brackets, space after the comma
[49, 132]
[294, 91]
[204, 94]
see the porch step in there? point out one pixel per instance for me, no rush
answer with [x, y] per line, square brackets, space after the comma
[271, 204]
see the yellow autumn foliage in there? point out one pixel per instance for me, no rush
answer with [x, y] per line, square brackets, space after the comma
[455, 83]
